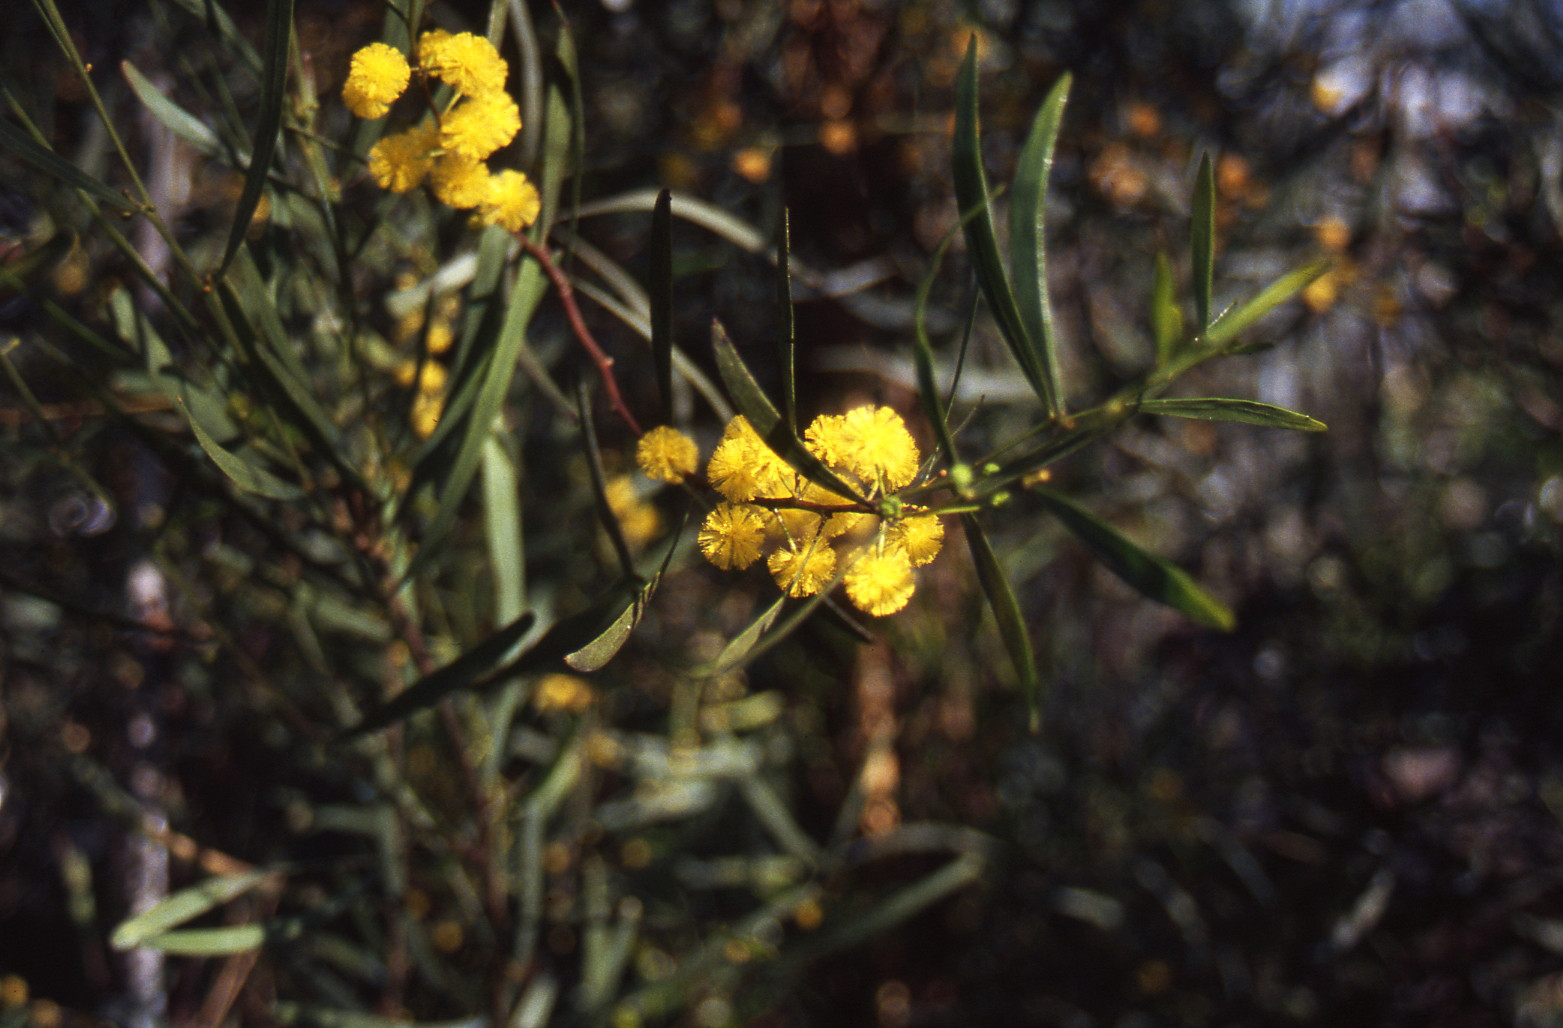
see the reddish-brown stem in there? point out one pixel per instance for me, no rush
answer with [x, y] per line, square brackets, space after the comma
[582, 333]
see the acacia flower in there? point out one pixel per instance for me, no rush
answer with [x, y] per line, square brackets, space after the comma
[804, 569]
[743, 468]
[666, 454]
[468, 62]
[376, 77]
[512, 204]
[478, 126]
[875, 445]
[880, 581]
[921, 535]
[459, 181]
[731, 535]
[400, 162]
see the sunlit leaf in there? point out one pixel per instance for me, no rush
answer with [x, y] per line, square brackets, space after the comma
[184, 905]
[971, 194]
[170, 115]
[1202, 241]
[1151, 575]
[209, 942]
[1242, 317]
[1028, 237]
[1006, 613]
[1249, 412]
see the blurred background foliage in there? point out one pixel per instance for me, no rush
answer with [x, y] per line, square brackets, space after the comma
[1346, 810]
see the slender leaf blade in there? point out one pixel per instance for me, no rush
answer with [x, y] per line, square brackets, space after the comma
[172, 117]
[248, 477]
[1249, 412]
[1006, 612]
[184, 905]
[51, 163]
[971, 194]
[279, 26]
[660, 293]
[209, 942]
[784, 338]
[1202, 240]
[1028, 238]
[1242, 317]
[1153, 576]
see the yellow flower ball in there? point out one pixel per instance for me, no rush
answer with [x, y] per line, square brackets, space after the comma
[921, 535]
[666, 454]
[804, 570]
[478, 126]
[468, 62]
[880, 581]
[512, 203]
[459, 182]
[400, 162]
[744, 468]
[376, 77]
[732, 534]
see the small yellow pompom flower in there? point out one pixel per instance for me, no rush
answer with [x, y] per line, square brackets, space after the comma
[744, 468]
[802, 571]
[466, 61]
[400, 162]
[666, 454]
[922, 536]
[880, 581]
[732, 534]
[512, 204]
[375, 78]
[876, 446]
[459, 181]
[478, 126]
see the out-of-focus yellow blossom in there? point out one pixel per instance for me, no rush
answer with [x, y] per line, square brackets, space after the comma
[562, 692]
[426, 411]
[459, 182]
[732, 534]
[478, 126]
[467, 62]
[804, 570]
[922, 536]
[431, 379]
[512, 202]
[880, 581]
[400, 162]
[376, 77]
[638, 520]
[666, 454]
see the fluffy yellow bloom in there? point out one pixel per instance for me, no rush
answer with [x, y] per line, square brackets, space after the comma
[666, 454]
[468, 62]
[922, 536]
[880, 580]
[375, 78]
[459, 181]
[478, 126]
[875, 446]
[804, 570]
[744, 468]
[399, 162]
[512, 204]
[732, 534]
[640, 521]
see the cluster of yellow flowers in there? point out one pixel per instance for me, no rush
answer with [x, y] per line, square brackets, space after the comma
[768, 505]
[447, 150]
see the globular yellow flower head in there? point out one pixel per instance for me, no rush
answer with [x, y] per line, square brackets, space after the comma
[400, 162]
[880, 581]
[870, 442]
[512, 204]
[376, 77]
[467, 62]
[743, 468]
[478, 126]
[666, 454]
[921, 536]
[732, 535]
[802, 569]
[459, 182]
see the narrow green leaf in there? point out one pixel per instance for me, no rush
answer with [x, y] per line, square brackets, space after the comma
[467, 671]
[184, 905]
[279, 26]
[172, 117]
[754, 405]
[599, 479]
[1242, 317]
[738, 647]
[209, 942]
[19, 143]
[660, 293]
[1202, 241]
[1006, 612]
[502, 527]
[784, 336]
[971, 194]
[602, 647]
[1028, 237]
[1166, 318]
[1250, 412]
[248, 477]
[1153, 576]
